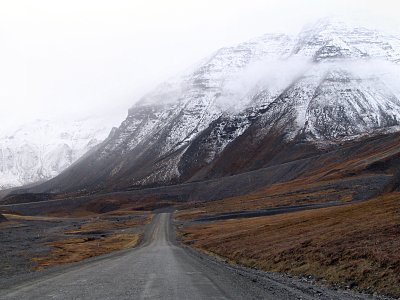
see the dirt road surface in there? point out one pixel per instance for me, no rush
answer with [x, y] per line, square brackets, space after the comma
[162, 269]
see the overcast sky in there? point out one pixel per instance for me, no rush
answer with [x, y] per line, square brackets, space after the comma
[63, 59]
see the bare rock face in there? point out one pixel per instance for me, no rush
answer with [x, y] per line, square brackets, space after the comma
[239, 108]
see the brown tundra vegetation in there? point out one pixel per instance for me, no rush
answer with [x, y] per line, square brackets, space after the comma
[356, 245]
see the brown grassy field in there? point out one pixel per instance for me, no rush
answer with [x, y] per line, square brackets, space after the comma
[106, 225]
[77, 249]
[16, 217]
[355, 245]
[95, 237]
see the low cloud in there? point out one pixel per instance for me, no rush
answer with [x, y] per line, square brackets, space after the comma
[273, 75]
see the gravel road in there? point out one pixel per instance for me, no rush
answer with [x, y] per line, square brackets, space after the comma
[162, 269]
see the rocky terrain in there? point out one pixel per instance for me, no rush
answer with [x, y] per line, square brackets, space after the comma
[31, 244]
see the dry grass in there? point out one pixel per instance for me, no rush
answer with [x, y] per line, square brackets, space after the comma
[112, 238]
[8, 224]
[106, 225]
[77, 249]
[32, 218]
[355, 245]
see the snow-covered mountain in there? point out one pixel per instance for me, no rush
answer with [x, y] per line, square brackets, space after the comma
[332, 82]
[41, 149]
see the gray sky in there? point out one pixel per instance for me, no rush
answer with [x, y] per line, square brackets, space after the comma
[79, 57]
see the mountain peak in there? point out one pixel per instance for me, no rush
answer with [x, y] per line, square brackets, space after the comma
[236, 109]
[334, 38]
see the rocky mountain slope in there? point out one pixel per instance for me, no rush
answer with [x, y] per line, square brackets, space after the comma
[267, 101]
[41, 149]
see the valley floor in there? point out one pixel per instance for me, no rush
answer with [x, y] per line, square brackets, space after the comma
[162, 269]
[334, 247]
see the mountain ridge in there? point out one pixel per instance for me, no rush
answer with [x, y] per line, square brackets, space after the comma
[247, 102]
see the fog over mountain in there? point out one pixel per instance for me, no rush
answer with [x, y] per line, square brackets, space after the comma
[332, 82]
[111, 59]
[72, 59]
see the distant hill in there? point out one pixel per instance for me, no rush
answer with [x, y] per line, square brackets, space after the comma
[40, 150]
